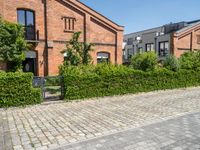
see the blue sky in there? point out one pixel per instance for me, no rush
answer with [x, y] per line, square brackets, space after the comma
[138, 15]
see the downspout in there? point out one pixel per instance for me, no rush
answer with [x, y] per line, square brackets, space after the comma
[46, 63]
[172, 46]
[156, 47]
[116, 47]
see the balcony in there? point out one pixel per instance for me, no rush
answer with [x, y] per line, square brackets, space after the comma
[31, 35]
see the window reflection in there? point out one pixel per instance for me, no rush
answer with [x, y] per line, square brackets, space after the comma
[26, 18]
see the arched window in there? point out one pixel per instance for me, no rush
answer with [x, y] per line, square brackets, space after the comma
[103, 57]
[27, 19]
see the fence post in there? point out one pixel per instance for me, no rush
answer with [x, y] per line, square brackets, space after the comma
[62, 86]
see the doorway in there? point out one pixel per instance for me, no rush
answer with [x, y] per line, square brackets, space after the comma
[29, 65]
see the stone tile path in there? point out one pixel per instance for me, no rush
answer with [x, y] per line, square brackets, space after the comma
[55, 125]
[181, 133]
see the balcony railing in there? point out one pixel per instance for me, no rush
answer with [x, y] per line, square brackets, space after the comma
[31, 35]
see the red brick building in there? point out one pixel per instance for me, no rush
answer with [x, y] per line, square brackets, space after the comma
[49, 24]
[186, 39]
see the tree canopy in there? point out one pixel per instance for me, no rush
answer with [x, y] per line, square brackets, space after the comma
[77, 52]
[12, 45]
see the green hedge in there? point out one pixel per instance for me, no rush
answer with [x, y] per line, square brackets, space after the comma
[86, 82]
[16, 90]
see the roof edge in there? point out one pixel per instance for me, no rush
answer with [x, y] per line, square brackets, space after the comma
[188, 28]
[100, 14]
[142, 30]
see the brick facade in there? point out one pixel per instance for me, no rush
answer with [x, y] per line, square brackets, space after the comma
[106, 35]
[186, 40]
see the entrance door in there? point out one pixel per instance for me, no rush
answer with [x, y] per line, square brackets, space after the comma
[29, 65]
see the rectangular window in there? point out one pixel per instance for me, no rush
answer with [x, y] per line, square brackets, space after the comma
[21, 17]
[27, 19]
[140, 50]
[163, 48]
[198, 39]
[130, 41]
[130, 53]
[30, 18]
[103, 57]
[69, 24]
[149, 47]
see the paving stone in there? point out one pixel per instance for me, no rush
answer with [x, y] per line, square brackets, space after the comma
[18, 147]
[128, 140]
[42, 148]
[65, 123]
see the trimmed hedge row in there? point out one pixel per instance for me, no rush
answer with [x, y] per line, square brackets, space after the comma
[16, 90]
[80, 84]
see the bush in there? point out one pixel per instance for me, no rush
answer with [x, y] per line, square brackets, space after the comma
[146, 61]
[12, 45]
[16, 90]
[190, 60]
[171, 63]
[111, 80]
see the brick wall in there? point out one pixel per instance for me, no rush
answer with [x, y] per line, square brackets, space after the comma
[95, 28]
[186, 41]
[1, 8]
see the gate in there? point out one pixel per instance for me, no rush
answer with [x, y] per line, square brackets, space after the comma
[52, 87]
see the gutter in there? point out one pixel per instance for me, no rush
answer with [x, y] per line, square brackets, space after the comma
[46, 55]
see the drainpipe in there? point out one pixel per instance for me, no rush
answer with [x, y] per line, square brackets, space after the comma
[172, 43]
[156, 48]
[46, 64]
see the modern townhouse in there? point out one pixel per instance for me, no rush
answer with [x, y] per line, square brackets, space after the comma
[173, 38]
[49, 24]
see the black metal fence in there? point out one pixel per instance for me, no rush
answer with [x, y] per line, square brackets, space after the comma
[52, 87]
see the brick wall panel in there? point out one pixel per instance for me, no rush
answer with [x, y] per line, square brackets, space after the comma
[105, 33]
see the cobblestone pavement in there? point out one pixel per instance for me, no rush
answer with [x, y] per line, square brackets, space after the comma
[181, 133]
[52, 126]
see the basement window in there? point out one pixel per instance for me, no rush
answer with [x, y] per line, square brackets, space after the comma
[69, 23]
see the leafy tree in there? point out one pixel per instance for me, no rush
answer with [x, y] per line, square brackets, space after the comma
[190, 60]
[146, 61]
[77, 52]
[171, 63]
[86, 57]
[12, 45]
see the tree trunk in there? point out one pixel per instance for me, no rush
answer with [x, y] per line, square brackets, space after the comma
[3, 66]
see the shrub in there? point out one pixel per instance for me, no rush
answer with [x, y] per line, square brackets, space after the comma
[146, 61]
[190, 60]
[111, 80]
[171, 63]
[12, 45]
[16, 90]
[2, 71]
[100, 69]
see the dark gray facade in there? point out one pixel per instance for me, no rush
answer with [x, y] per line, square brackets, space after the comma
[155, 39]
